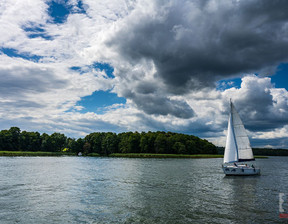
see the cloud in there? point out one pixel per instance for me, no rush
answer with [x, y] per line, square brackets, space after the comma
[161, 49]
[18, 80]
[195, 43]
[18, 13]
[262, 106]
[30, 89]
[152, 104]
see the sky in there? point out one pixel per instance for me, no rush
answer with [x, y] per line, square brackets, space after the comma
[83, 66]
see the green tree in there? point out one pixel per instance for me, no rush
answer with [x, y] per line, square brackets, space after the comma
[46, 143]
[80, 144]
[147, 142]
[123, 142]
[30, 141]
[95, 140]
[160, 143]
[134, 142]
[179, 148]
[191, 147]
[109, 143]
[144, 143]
[58, 141]
[208, 148]
[15, 138]
[86, 148]
[6, 140]
[106, 143]
[73, 145]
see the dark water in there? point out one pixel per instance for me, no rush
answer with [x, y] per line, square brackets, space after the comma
[119, 190]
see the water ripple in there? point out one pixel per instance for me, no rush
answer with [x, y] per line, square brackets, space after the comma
[119, 190]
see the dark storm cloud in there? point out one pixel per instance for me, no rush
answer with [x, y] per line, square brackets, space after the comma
[154, 104]
[146, 87]
[195, 43]
[147, 99]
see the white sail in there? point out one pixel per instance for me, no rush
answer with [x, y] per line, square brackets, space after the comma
[237, 143]
[242, 141]
[230, 154]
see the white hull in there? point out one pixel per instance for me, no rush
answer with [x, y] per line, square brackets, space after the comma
[240, 170]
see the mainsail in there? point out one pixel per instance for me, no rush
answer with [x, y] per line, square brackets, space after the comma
[237, 144]
[231, 152]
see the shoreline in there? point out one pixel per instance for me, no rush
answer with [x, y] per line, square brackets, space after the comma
[114, 155]
[194, 156]
[151, 155]
[31, 154]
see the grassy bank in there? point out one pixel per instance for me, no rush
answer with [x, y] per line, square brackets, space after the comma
[126, 155]
[25, 153]
[93, 154]
[261, 157]
[148, 155]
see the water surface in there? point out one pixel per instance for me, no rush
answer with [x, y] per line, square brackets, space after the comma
[127, 190]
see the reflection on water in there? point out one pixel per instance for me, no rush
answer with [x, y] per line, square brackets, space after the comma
[119, 190]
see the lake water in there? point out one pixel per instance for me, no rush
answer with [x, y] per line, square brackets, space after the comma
[125, 190]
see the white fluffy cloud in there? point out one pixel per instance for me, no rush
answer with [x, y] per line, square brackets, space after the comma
[263, 108]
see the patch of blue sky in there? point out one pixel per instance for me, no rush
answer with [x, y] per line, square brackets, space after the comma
[15, 53]
[99, 101]
[33, 28]
[60, 10]
[34, 31]
[280, 79]
[228, 83]
[77, 69]
[80, 8]
[108, 69]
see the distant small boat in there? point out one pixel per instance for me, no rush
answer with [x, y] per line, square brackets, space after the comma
[79, 153]
[238, 149]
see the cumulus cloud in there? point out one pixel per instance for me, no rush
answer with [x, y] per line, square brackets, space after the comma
[195, 43]
[189, 46]
[262, 106]
[263, 109]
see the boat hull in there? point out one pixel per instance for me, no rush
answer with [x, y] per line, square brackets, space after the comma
[240, 171]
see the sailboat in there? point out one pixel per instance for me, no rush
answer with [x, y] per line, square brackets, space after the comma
[238, 149]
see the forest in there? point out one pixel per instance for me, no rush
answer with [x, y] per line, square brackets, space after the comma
[105, 143]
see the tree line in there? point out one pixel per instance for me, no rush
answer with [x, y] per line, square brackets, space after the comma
[105, 143]
[261, 151]
[270, 152]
